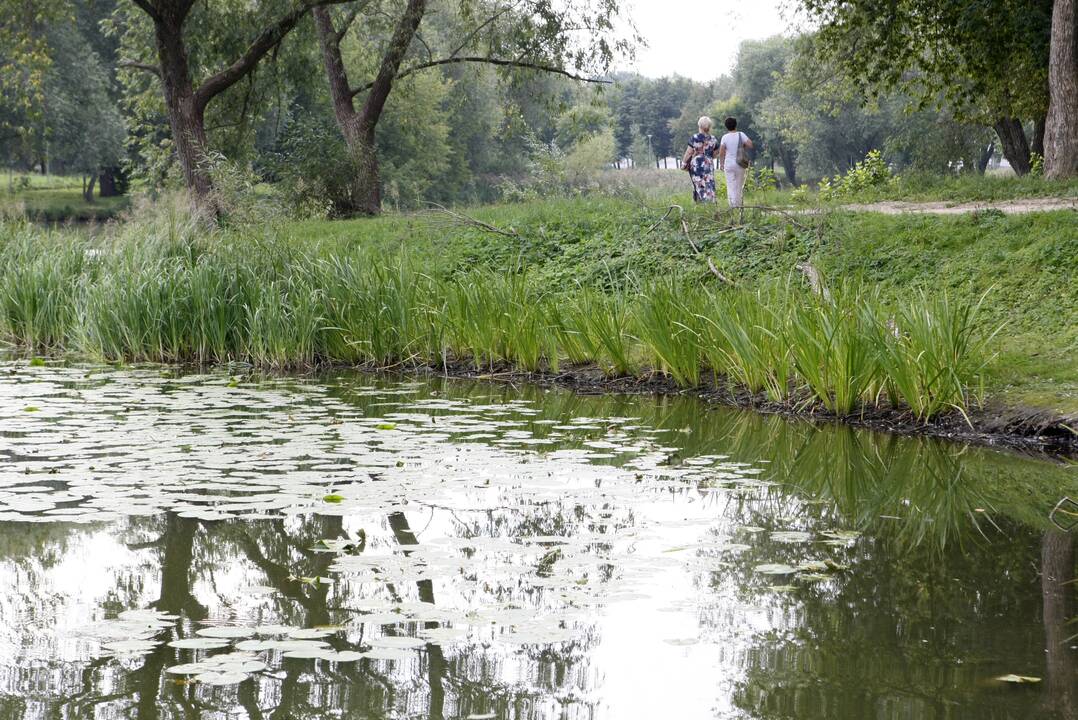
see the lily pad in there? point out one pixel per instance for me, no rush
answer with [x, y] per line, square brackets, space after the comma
[775, 569]
[202, 643]
[221, 678]
[228, 633]
[1019, 679]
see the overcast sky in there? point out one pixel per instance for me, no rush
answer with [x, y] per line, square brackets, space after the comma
[699, 38]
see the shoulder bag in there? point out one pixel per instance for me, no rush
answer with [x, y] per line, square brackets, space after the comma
[742, 153]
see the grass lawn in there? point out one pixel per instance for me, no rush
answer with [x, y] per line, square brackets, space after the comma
[56, 199]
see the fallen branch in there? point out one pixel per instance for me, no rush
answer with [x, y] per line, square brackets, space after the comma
[666, 215]
[785, 213]
[472, 222]
[710, 264]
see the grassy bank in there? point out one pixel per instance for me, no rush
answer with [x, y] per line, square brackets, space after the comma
[543, 285]
[55, 199]
[1024, 266]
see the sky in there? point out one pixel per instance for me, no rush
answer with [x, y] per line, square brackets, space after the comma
[718, 26]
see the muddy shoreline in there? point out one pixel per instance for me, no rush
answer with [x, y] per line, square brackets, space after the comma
[1026, 430]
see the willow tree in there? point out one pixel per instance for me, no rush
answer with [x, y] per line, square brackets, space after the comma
[986, 62]
[576, 40]
[186, 95]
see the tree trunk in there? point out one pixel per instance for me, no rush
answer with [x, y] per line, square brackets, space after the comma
[88, 188]
[985, 158]
[108, 184]
[365, 193]
[1038, 137]
[1057, 592]
[789, 165]
[185, 117]
[1061, 128]
[358, 128]
[1015, 146]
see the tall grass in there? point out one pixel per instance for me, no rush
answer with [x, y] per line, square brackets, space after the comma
[173, 292]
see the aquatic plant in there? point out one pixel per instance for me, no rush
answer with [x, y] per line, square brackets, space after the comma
[164, 294]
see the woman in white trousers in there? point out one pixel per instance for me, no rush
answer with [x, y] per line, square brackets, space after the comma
[735, 174]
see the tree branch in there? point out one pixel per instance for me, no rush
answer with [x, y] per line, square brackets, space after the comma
[489, 61]
[133, 65]
[490, 20]
[148, 9]
[406, 29]
[266, 41]
[351, 18]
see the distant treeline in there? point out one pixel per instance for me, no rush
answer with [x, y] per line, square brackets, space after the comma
[462, 123]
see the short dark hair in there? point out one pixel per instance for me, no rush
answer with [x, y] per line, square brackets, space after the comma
[731, 123]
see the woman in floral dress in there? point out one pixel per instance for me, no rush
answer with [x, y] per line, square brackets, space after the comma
[703, 147]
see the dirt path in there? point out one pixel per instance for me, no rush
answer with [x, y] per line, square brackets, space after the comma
[1010, 207]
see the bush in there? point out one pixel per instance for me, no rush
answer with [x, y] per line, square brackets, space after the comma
[868, 175]
[314, 169]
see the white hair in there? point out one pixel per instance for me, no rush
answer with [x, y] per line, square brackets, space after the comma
[704, 123]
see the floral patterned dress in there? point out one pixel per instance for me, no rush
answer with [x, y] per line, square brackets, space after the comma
[701, 166]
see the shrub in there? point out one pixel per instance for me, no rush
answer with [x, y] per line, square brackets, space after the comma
[867, 175]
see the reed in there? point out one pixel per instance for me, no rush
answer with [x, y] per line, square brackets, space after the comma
[164, 292]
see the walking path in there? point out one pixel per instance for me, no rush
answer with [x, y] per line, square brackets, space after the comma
[1010, 207]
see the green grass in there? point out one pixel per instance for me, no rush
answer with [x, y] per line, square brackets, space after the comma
[975, 188]
[578, 281]
[1023, 265]
[174, 292]
[59, 205]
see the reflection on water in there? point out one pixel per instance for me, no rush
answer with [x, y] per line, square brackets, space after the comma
[196, 547]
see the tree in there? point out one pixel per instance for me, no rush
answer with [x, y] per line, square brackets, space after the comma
[185, 100]
[986, 62]
[626, 108]
[701, 99]
[1061, 126]
[24, 63]
[761, 65]
[84, 131]
[530, 35]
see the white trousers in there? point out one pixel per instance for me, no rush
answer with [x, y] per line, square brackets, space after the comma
[735, 184]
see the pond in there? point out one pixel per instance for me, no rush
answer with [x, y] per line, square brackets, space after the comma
[212, 546]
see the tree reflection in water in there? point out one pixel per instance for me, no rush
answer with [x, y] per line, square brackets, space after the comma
[956, 578]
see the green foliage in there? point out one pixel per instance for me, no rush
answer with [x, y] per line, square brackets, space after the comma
[865, 176]
[314, 171]
[1036, 165]
[984, 61]
[760, 178]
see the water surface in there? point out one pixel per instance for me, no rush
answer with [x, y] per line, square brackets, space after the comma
[204, 546]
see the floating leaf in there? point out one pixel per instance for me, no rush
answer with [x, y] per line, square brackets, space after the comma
[791, 536]
[1019, 679]
[775, 569]
[225, 632]
[199, 644]
[221, 678]
[333, 498]
[31, 408]
[187, 669]
[37, 362]
[311, 633]
[386, 426]
[131, 647]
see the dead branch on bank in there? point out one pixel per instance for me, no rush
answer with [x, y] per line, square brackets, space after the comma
[455, 218]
